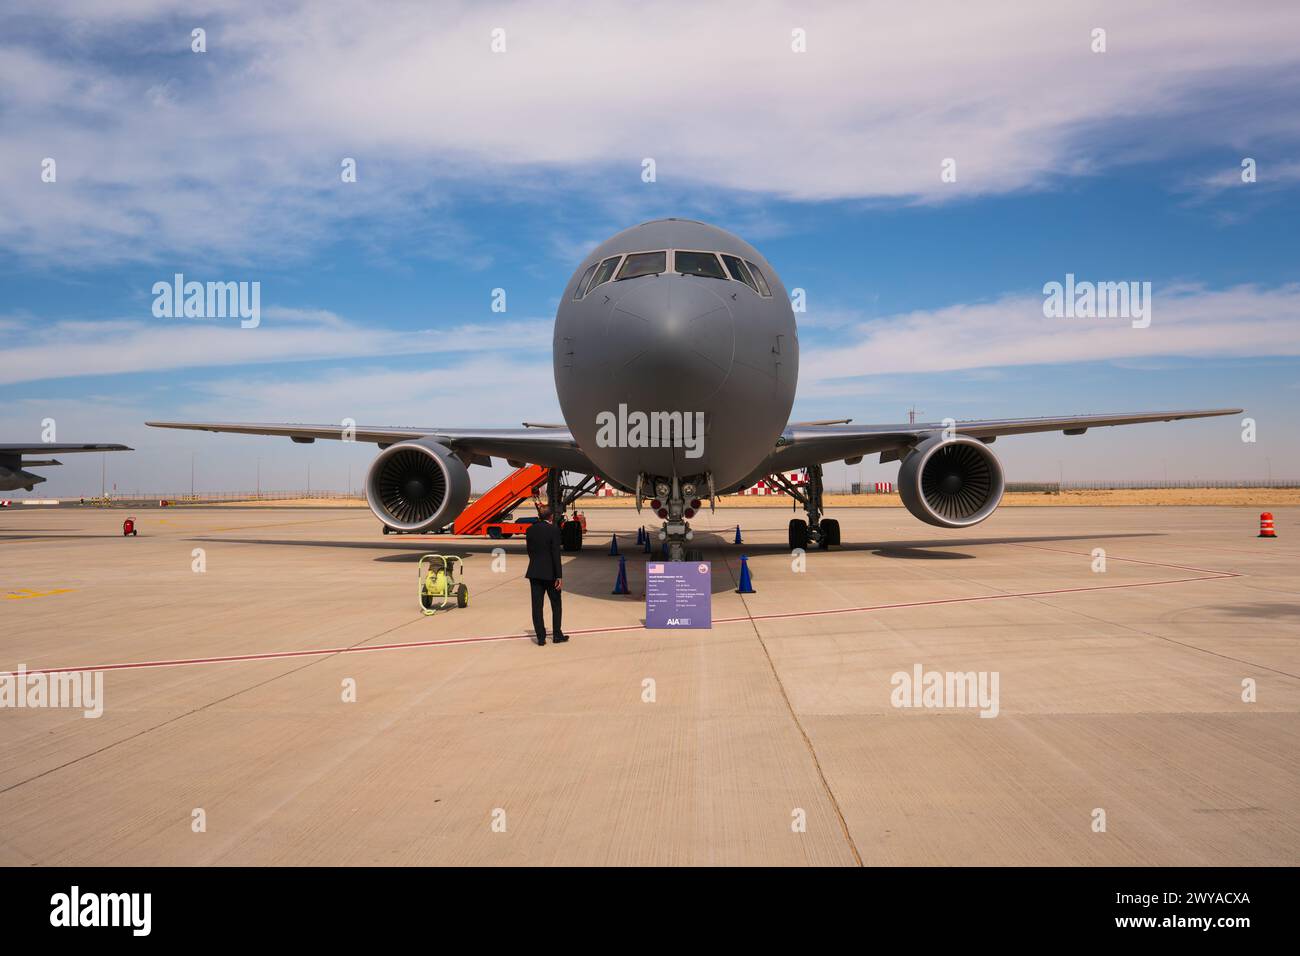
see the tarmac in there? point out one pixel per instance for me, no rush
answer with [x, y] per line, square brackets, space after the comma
[1147, 711]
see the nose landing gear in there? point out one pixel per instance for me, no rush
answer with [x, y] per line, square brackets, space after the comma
[675, 502]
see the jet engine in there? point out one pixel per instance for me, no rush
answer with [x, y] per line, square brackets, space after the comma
[13, 478]
[952, 484]
[417, 486]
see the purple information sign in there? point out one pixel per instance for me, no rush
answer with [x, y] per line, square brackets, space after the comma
[678, 594]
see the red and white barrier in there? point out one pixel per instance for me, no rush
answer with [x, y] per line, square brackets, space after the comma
[765, 487]
[607, 491]
[760, 488]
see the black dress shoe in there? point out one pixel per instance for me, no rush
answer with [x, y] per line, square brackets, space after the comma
[541, 642]
[560, 638]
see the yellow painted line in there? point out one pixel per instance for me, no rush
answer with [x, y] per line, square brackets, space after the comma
[23, 593]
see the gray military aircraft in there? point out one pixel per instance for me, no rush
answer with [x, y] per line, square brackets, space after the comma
[676, 358]
[12, 464]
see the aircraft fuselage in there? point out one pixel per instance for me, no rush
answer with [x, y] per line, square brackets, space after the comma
[676, 373]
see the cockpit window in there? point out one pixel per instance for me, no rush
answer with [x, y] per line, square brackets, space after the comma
[582, 286]
[698, 264]
[643, 264]
[758, 277]
[604, 273]
[738, 271]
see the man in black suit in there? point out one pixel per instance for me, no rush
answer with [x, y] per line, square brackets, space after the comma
[544, 574]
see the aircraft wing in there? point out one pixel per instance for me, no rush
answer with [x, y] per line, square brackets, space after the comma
[65, 448]
[552, 447]
[812, 444]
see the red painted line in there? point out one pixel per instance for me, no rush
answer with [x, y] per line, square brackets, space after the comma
[324, 652]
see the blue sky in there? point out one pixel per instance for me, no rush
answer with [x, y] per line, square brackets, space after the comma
[480, 171]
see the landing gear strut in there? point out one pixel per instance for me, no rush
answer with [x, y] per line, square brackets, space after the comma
[674, 502]
[819, 531]
[560, 495]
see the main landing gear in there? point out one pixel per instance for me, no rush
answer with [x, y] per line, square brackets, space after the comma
[819, 531]
[561, 494]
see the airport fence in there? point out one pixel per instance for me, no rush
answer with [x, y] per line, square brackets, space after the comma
[1056, 487]
[1026, 487]
[1178, 483]
[204, 497]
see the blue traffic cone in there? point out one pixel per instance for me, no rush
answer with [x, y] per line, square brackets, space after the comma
[613, 545]
[737, 541]
[663, 551]
[620, 583]
[746, 583]
[647, 543]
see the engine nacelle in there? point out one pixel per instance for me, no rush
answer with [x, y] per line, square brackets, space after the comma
[13, 478]
[417, 486]
[952, 484]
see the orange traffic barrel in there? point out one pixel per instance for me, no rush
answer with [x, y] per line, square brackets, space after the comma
[1266, 525]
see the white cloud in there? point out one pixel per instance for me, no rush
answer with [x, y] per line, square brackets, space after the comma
[164, 152]
[1186, 321]
[72, 348]
[1270, 175]
[465, 393]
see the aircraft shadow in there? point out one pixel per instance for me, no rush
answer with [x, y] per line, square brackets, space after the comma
[55, 535]
[1259, 610]
[775, 548]
[591, 572]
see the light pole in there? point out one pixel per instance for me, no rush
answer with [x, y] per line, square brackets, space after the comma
[259, 477]
[191, 474]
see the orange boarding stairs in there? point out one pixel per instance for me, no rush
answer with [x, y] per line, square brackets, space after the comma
[501, 499]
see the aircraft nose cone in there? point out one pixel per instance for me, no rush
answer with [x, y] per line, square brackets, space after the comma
[676, 329]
